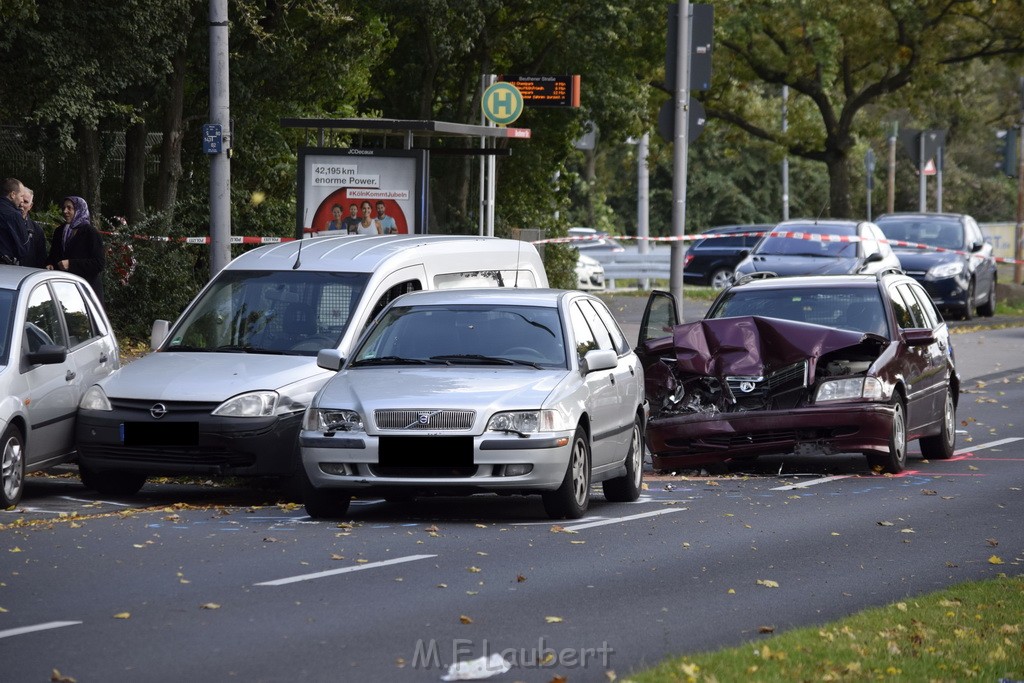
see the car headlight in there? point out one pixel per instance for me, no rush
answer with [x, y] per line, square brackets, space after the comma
[944, 270]
[331, 420]
[253, 404]
[95, 398]
[528, 421]
[849, 389]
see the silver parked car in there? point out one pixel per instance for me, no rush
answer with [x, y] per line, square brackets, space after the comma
[460, 392]
[55, 341]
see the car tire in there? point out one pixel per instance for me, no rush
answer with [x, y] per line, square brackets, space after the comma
[988, 309]
[895, 461]
[571, 499]
[941, 445]
[967, 312]
[626, 489]
[111, 483]
[323, 503]
[12, 476]
[720, 279]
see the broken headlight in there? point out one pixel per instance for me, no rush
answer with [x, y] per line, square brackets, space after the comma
[849, 389]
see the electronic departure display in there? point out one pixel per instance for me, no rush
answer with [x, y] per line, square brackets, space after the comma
[546, 91]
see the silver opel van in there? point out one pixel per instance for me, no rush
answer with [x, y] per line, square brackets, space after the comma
[226, 387]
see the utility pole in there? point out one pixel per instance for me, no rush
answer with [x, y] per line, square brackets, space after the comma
[922, 179]
[1018, 251]
[220, 163]
[680, 149]
[643, 199]
[890, 200]
[785, 159]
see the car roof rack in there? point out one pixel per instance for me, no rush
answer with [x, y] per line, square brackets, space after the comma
[760, 275]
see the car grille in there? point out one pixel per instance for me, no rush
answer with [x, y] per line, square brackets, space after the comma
[433, 420]
[423, 472]
[175, 409]
[202, 457]
[756, 392]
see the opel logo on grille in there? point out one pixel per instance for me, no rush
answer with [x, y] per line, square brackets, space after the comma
[746, 387]
[424, 418]
[158, 410]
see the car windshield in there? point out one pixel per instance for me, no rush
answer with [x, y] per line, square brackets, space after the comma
[465, 334]
[6, 323]
[795, 246]
[275, 312]
[948, 234]
[857, 309]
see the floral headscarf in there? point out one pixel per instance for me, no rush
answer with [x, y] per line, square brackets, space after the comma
[81, 216]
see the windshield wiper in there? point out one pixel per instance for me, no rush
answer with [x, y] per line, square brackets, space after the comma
[186, 347]
[494, 360]
[246, 348]
[390, 360]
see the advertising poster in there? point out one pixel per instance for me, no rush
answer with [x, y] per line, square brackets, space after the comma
[360, 191]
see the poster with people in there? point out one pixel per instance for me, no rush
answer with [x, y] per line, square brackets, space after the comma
[360, 192]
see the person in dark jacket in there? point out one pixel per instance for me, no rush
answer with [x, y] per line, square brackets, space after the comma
[13, 234]
[76, 246]
[35, 249]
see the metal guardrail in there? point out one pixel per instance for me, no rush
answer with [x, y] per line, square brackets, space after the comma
[655, 265]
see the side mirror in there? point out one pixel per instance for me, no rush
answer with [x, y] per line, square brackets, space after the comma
[599, 359]
[330, 359]
[918, 337]
[874, 257]
[158, 333]
[48, 354]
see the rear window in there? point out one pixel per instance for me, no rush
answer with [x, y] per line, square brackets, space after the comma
[797, 246]
[944, 233]
[857, 309]
[723, 242]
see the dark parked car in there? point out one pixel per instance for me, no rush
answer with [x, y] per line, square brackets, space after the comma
[591, 241]
[959, 271]
[806, 365]
[711, 261]
[820, 247]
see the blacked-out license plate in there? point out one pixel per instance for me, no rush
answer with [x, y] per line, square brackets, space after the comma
[425, 451]
[160, 433]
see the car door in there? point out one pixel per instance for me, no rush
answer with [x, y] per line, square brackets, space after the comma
[52, 394]
[924, 368]
[90, 342]
[601, 388]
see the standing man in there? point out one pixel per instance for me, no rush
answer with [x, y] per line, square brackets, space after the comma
[12, 225]
[35, 249]
[387, 223]
[351, 222]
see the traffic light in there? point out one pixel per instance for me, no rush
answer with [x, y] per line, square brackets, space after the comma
[1006, 147]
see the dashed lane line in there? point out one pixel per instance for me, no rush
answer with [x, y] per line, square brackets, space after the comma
[617, 520]
[344, 570]
[36, 627]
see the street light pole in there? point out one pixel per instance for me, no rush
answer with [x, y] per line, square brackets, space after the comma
[680, 150]
[220, 163]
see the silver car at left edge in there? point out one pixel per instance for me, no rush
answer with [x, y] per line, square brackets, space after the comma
[470, 391]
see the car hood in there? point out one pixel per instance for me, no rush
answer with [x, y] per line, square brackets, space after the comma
[800, 265]
[182, 376]
[916, 259]
[483, 389]
[731, 350]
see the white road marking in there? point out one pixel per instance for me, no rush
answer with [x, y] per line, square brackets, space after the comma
[616, 520]
[37, 627]
[98, 502]
[344, 570]
[812, 482]
[990, 444]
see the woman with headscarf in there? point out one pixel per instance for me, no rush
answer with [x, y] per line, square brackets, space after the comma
[76, 246]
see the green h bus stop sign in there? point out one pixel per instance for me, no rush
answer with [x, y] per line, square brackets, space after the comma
[502, 103]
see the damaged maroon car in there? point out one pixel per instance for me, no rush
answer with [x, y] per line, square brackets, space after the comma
[806, 365]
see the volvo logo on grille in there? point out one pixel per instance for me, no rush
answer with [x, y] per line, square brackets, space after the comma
[158, 410]
[424, 418]
[746, 387]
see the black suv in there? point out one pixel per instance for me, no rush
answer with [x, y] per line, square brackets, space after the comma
[711, 261]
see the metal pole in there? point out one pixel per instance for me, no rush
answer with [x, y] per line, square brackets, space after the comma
[643, 197]
[1018, 251]
[938, 179]
[890, 200]
[220, 163]
[482, 215]
[785, 159]
[680, 150]
[922, 191]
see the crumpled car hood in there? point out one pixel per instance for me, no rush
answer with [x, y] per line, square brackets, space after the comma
[747, 346]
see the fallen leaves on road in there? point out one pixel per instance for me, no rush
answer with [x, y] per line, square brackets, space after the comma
[123, 615]
[463, 619]
[58, 677]
[553, 620]
[767, 583]
[995, 559]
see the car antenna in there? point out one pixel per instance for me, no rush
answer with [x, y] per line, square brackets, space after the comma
[822, 212]
[298, 253]
[519, 249]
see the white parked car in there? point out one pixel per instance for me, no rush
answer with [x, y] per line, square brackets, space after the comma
[589, 273]
[55, 342]
[510, 391]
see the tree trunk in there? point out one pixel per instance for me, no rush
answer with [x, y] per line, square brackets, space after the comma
[135, 152]
[89, 168]
[839, 185]
[170, 149]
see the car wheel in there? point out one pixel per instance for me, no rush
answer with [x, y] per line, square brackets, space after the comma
[988, 309]
[896, 460]
[968, 308]
[626, 489]
[570, 500]
[12, 476]
[940, 446]
[720, 279]
[111, 483]
[323, 503]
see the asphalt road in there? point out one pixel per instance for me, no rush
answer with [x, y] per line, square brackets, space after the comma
[203, 583]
